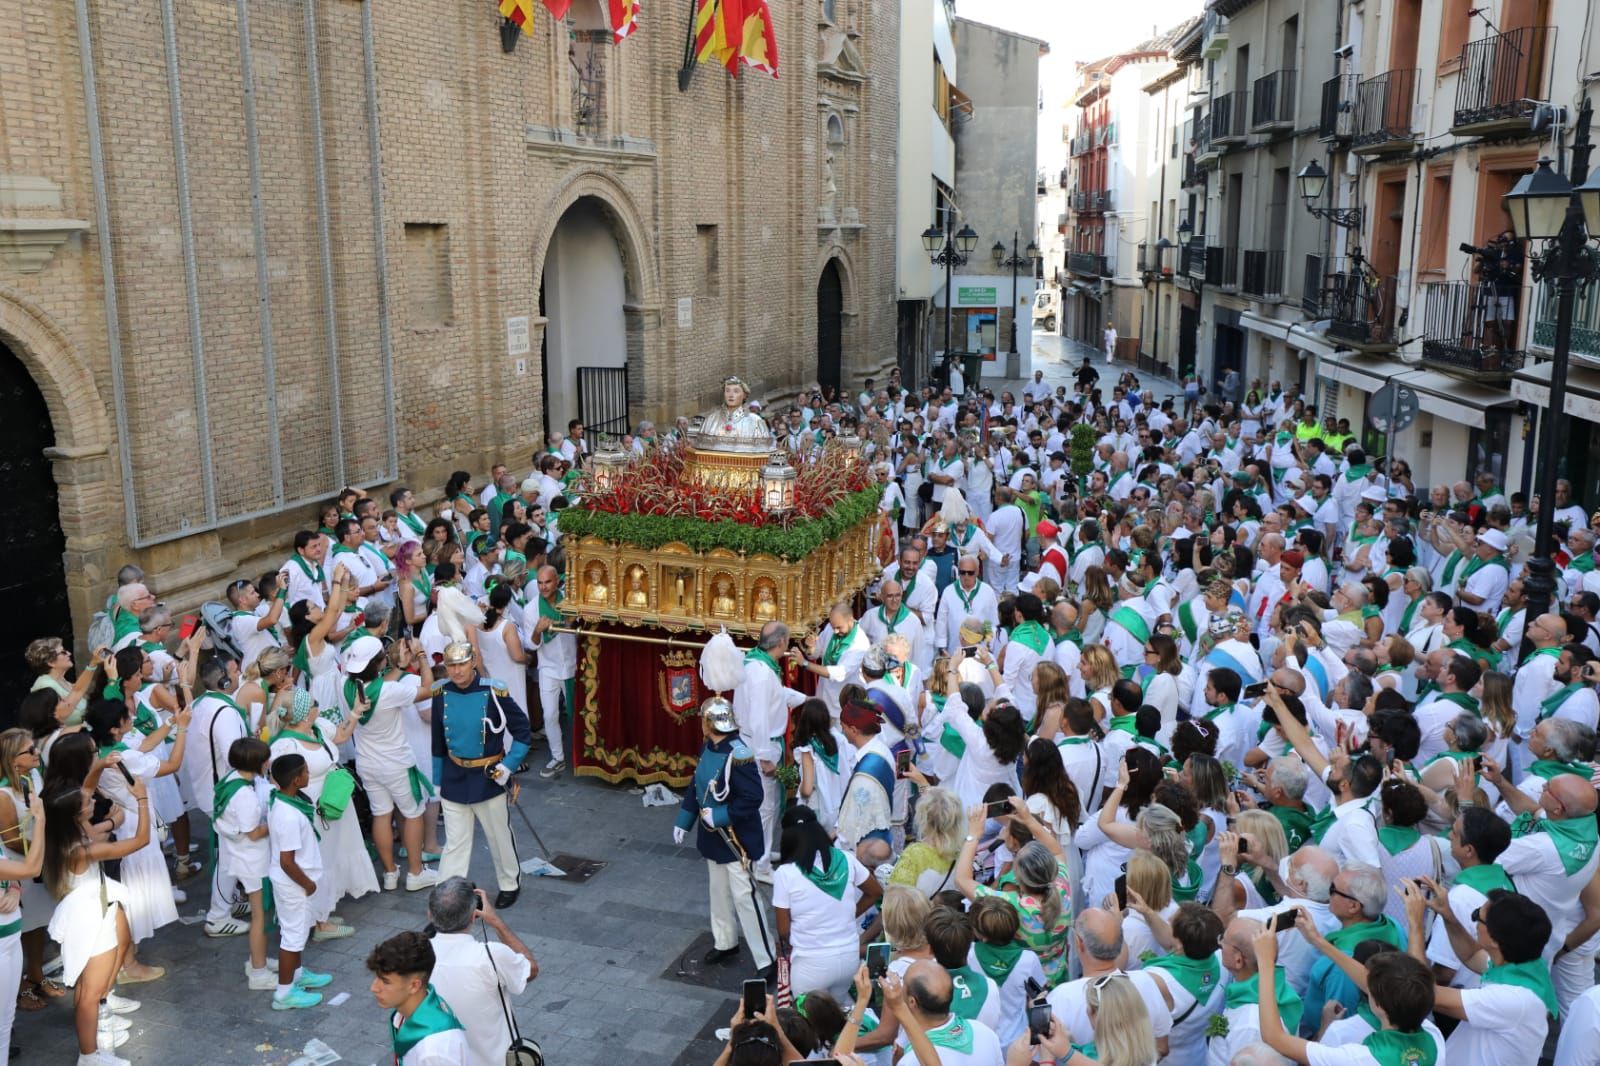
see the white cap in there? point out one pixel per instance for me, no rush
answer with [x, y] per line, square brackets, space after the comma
[1494, 539]
[1308, 504]
[358, 655]
[1374, 493]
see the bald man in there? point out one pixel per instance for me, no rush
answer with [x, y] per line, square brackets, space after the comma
[959, 1041]
[558, 664]
[1097, 940]
[1240, 1010]
[1535, 680]
[1551, 859]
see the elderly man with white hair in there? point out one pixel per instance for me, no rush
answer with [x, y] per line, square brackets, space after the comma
[1484, 580]
[1309, 884]
[965, 597]
[1357, 900]
[1580, 574]
[1242, 1022]
[834, 655]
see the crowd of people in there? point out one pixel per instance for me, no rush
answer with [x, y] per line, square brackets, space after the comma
[1175, 732]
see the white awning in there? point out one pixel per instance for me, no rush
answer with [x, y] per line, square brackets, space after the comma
[1294, 334]
[1366, 373]
[1532, 385]
[1459, 401]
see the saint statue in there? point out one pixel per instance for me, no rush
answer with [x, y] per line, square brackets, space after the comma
[733, 426]
[637, 596]
[722, 603]
[765, 608]
[595, 584]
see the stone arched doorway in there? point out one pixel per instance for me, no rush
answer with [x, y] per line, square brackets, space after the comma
[830, 329]
[33, 585]
[583, 297]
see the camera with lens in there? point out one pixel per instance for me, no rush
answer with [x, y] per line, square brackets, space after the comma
[1489, 252]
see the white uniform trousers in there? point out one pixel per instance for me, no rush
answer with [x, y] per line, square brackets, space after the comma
[1572, 974]
[769, 823]
[10, 981]
[495, 818]
[551, 690]
[222, 889]
[732, 892]
[1003, 578]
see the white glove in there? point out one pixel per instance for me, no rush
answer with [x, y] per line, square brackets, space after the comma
[708, 818]
[678, 834]
[500, 775]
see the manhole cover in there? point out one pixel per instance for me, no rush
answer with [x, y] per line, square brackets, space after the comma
[578, 869]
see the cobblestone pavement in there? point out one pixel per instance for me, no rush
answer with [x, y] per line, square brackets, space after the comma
[608, 950]
[1059, 358]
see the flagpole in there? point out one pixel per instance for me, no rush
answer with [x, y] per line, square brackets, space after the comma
[686, 72]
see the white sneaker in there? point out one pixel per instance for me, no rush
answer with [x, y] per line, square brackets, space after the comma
[114, 1023]
[229, 926]
[106, 1040]
[102, 1058]
[121, 1004]
[427, 878]
[180, 896]
[391, 880]
[553, 768]
[262, 980]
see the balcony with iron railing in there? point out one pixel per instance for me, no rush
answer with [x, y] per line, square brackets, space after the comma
[1336, 119]
[1104, 200]
[1384, 110]
[1192, 258]
[1262, 274]
[1585, 343]
[1190, 174]
[1272, 103]
[1214, 35]
[1066, 176]
[1499, 81]
[1085, 264]
[1078, 201]
[1205, 152]
[1358, 305]
[1230, 118]
[1222, 268]
[1462, 332]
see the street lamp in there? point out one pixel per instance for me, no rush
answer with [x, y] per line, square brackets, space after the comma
[1027, 259]
[1313, 182]
[949, 251]
[1162, 247]
[1544, 206]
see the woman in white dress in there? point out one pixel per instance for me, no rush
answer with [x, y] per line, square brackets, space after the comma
[348, 865]
[505, 659]
[821, 754]
[151, 732]
[20, 787]
[150, 904]
[316, 649]
[91, 916]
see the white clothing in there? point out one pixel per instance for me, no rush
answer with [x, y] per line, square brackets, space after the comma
[350, 870]
[449, 1048]
[1070, 1003]
[1353, 837]
[1580, 1032]
[242, 858]
[498, 663]
[818, 923]
[953, 610]
[81, 925]
[466, 975]
[735, 909]
[847, 671]
[1505, 1026]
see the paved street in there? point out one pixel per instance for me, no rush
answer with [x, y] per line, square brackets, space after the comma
[1060, 357]
[607, 952]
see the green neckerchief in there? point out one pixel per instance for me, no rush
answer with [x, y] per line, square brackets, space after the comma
[1463, 700]
[1296, 825]
[997, 960]
[223, 794]
[1426, 689]
[299, 803]
[1381, 928]
[107, 749]
[1123, 722]
[1072, 636]
[1574, 838]
[433, 1015]
[952, 741]
[144, 719]
[1485, 878]
[1248, 994]
[970, 991]
[548, 609]
[830, 761]
[352, 687]
[1215, 712]
[1451, 561]
[900, 616]
[412, 522]
[834, 878]
[423, 583]
[1186, 890]
[1031, 635]
[1397, 838]
[1534, 975]
[758, 655]
[1356, 473]
[1198, 977]
[954, 1034]
[305, 568]
[836, 646]
[1548, 768]
[301, 659]
[1479, 562]
[313, 737]
[1391, 1047]
[1583, 564]
[966, 597]
[1552, 703]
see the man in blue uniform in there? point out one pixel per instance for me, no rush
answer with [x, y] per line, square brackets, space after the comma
[724, 802]
[480, 736]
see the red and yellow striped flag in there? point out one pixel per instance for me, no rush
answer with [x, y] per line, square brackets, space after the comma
[520, 12]
[759, 44]
[735, 33]
[624, 18]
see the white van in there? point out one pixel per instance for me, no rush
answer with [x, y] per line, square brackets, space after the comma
[1047, 308]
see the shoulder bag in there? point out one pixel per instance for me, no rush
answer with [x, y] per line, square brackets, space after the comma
[524, 1050]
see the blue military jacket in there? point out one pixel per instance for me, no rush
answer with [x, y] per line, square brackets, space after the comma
[475, 722]
[727, 781]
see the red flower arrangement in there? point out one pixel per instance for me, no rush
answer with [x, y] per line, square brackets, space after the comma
[655, 485]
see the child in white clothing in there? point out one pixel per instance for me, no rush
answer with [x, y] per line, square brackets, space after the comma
[296, 863]
[239, 817]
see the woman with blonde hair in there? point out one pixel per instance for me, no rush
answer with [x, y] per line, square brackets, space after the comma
[928, 863]
[1098, 668]
[1267, 841]
[1122, 1034]
[20, 786]
[1049, 686]
[267, 683]
[1150, 881]
[1095, 606]
[1495, 704]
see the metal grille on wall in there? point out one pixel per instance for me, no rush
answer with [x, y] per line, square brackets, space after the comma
[603, 399]
[239, 212]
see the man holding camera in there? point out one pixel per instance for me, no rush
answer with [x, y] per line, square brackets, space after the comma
[1500, 273]
[477, 977]
[480, 736]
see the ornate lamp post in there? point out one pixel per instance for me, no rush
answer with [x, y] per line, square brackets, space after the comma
[1313, 183]
[949, 251]
[608, 465]
[1026, 259]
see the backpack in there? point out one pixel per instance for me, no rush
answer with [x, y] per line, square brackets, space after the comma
[102, 631]
[217, 617]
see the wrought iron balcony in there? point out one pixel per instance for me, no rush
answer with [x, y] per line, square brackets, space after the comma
[1066, 175]
[1104, 200]
[1262, 276]
[1205, 150]
[1214, 35]
[1272, 105]
[1499, 80]
[1470, 330]
[1079, 201]
[1193, 259]
[1230, 118]
[1222, 268]
[1384, 107]
[1359, 306]
[1086, 264]
[1585, 343]
[1336, 120]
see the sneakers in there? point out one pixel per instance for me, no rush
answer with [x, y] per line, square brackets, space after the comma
[427, 878]
[102, 1058]
[107, 1040]
[241, 909]
[121, 1004]
[229, 926]
[297, 999]
[308, 980]
[272, 964]
[391, 880]
[114, 1023]
[335, 931]
[262, 980]
[553, 768]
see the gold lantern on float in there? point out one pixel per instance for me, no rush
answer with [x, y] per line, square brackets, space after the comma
[607, 466]
[848, 449]
[778, 480]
